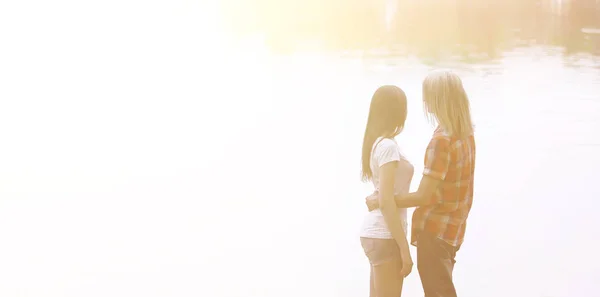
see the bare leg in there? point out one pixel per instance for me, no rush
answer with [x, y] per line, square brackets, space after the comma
[387, 279]
[372, 292]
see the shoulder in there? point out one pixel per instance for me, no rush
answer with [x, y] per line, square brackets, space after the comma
[386, 143]
[386, 146]
[386, 150]
[440, 142]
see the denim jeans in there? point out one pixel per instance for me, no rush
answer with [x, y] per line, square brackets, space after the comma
[435, 262]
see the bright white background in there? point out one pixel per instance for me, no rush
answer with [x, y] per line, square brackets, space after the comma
[143, 154]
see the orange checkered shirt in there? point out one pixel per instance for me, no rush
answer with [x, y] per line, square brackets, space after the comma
[452, 161]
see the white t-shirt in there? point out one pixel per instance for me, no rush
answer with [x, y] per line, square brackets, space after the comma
[384, 151]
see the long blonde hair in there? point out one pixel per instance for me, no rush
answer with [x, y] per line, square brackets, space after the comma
[446, 103]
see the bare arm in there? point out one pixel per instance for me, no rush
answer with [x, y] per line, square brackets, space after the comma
[422, 196]
[388, 205]
[437, 161]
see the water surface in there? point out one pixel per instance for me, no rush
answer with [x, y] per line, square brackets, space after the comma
[152, 158]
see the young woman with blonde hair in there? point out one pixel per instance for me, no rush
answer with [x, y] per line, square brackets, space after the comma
[445, 194]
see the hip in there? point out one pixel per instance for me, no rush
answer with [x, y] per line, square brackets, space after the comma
[380, 251]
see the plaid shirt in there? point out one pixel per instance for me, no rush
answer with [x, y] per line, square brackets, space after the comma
[452, 161]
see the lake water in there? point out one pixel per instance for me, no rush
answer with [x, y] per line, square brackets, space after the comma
[140, 161]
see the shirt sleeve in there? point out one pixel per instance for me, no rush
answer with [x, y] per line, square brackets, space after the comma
[437, 158]
[386, 151]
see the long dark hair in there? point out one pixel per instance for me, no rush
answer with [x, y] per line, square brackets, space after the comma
[387, 115]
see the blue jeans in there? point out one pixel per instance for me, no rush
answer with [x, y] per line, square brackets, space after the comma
[435, 262]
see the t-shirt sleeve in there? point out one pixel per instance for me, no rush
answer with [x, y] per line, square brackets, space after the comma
[386, 151]
[437, 158]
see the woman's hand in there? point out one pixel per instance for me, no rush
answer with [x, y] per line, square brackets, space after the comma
[372, 201]
[407, 262]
